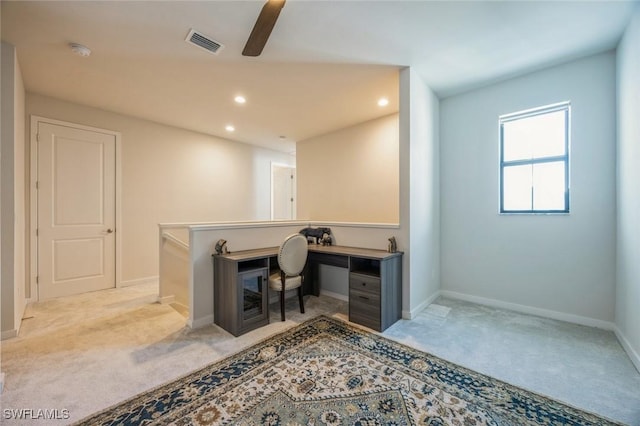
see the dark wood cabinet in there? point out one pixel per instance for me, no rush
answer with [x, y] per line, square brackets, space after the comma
[240, 293]
[241, 285]
[375, 291]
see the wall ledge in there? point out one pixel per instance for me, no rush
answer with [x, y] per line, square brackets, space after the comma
[207, 226]
[356, 224]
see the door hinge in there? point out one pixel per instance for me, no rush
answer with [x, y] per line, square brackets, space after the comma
[291, 176]
[37, 137]
[37, 185]
[36, 232]
[37, 279]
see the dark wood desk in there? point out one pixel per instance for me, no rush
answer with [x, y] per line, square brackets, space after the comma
[241, 285]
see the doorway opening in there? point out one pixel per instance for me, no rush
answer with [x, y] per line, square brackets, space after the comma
[283, 192]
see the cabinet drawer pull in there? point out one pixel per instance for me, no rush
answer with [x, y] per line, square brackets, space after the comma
[364, 284]
[363, 297]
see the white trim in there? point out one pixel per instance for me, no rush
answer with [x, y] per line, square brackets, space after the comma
[208, 226]
[165, 300]
[175, 241]
[138, 281]
[118, 206]
[200, 322]
[192, 322]
[356, 224]
[211, 226]
[8, 334]
[33, 201]
[33, 198]
[530, 310]
[626, 345]
[334, 295]
[411, 314]
[21, 318]
[558, 106]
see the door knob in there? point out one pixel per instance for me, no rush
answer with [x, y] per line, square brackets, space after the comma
[109, 231]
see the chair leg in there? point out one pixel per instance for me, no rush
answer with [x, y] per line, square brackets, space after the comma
[300, 298]
[282, 305]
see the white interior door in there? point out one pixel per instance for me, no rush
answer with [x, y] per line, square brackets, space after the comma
[283, 192]
[76, 210]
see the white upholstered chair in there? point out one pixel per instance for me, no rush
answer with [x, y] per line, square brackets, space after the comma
[292, 257]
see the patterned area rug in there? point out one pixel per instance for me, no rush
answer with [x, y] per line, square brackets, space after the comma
[327, 372]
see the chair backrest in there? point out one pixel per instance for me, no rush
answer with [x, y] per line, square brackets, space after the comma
[293, 254]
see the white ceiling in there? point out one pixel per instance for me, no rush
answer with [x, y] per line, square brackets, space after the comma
[324, 67]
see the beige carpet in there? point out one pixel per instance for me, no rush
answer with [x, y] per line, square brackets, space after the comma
[85, 353]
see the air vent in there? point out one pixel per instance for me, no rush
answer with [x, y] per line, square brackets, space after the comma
[204, 42]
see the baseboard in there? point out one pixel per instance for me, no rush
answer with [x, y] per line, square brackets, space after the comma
[626, 345]
[139, 281]
[165, 300]
[334, 295]
[408, 315]
[8, 334]
[530, 310]
[201, 322]
[1, 382]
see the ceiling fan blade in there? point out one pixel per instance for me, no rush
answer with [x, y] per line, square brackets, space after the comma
[263, 27]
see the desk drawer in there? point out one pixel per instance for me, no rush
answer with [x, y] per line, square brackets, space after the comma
[364, 283]
[364, 310]
[338, 260]
[371, 300]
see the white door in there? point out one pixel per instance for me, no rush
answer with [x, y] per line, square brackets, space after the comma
[76, 210]
[283, 191]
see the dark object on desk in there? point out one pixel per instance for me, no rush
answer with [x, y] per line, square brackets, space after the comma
[316, 235]
[393, 246]
[221, 247]
[325, 240]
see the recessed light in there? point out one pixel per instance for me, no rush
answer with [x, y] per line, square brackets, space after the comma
[383, 102]
[229, 128]
[79, 49]
[240, 99]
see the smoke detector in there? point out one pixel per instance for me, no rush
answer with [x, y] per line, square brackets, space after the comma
[79, 49]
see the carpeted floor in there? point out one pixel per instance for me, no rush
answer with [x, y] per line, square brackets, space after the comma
[81, 354]
[329, 372]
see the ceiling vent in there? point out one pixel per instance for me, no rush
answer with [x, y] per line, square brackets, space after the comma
[204, 42]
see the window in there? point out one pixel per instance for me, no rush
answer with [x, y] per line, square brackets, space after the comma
[534, 160]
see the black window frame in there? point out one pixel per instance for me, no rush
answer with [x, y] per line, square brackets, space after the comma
[561, 106]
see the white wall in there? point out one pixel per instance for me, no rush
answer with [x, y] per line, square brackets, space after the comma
[556, 263]
[202, 240]
[628, 248]
[350, 175]
[12, 180]
[172, 175]
[419, 192]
